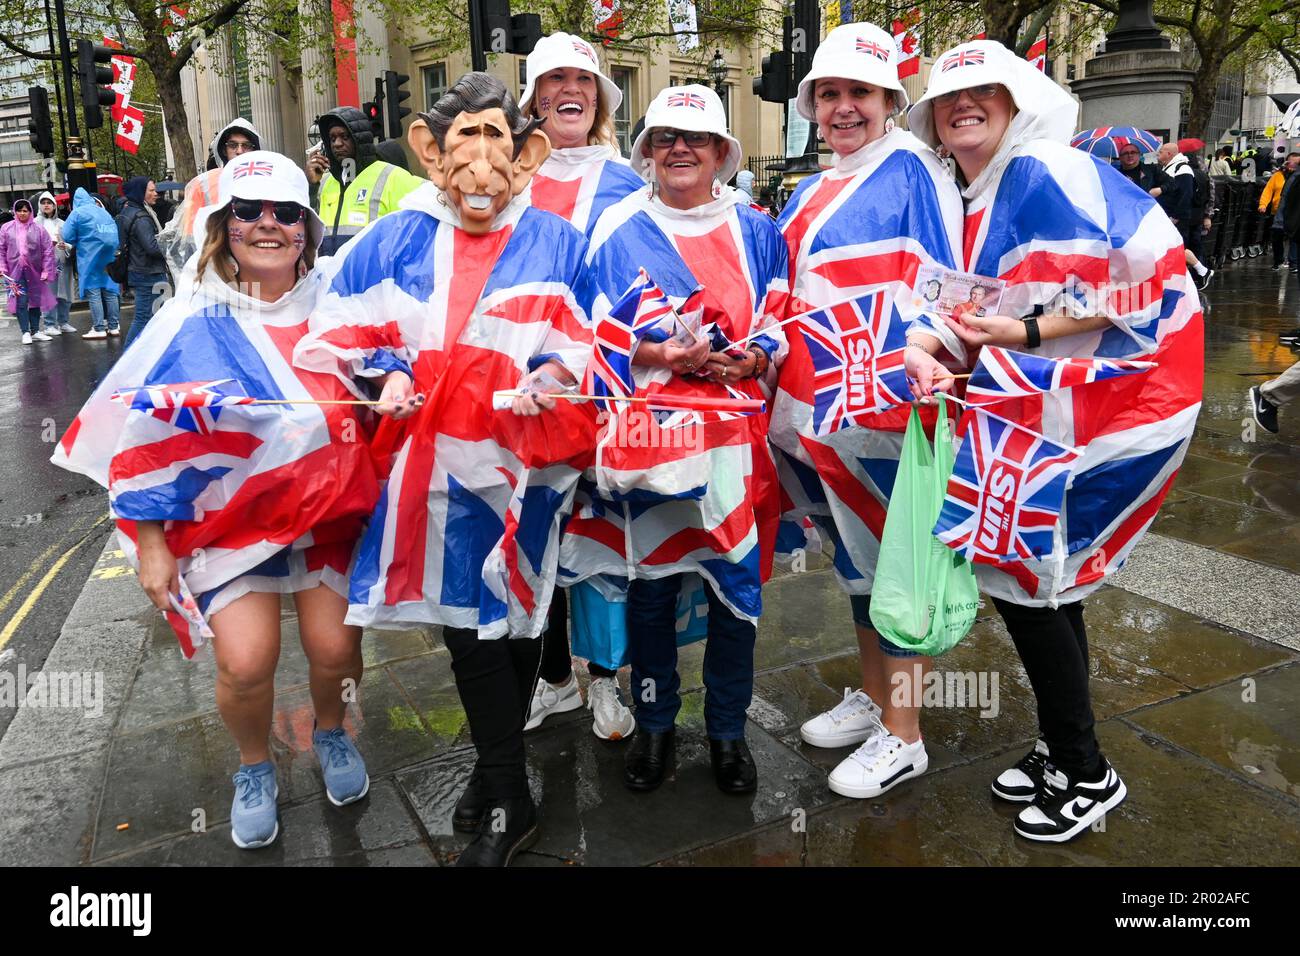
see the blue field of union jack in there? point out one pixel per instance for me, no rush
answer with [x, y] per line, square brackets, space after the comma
[857, 354]
[875, 49]
[641, 308]
[964, 58]
[1001, 374]
[693, 100]
[1004, 497]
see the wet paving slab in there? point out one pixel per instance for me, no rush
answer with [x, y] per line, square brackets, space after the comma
[589, 817]
[377, 830]
[950, 818]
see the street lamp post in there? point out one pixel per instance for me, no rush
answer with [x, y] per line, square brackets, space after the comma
[718, 72]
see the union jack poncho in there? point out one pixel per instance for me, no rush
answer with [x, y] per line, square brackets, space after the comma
[253, 498]
[1069, 234]
[466, 531]
[872, 221]
[579, 184]
[693, 492]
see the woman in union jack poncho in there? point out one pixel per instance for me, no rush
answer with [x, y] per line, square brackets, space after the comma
[663, 509]
[582, 177]
[1093, 271]
[238, 504]
[884, 209]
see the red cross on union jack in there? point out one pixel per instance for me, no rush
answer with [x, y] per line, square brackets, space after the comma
[255, 168]
[964, 58]
[875, 49]
[693, 100]
[585, 50]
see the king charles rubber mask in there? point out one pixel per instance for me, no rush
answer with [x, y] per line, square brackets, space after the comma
[472, 153]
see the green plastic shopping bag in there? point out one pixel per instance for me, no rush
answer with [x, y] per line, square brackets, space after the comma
[924, 597]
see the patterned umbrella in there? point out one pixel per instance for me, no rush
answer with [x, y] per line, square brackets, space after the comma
[1105, 141]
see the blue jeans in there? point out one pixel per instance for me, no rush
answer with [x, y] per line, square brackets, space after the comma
[58, 315]
[29, 316]
[103, 308]
[147, 289]
[652, 647]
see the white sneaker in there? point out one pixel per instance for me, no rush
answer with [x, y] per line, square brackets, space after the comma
[68, 327]
[878, 765]
[549, 699]
[115, 332]
[851, 721]
[53, 330]
[611, 720]
[95, 334]
[27, 338]
[40, 337]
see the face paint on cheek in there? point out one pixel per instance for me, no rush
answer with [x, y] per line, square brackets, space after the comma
[299, 240]
[545, 104]
[236, 235]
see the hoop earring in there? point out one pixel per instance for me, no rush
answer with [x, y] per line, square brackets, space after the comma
[717, 188]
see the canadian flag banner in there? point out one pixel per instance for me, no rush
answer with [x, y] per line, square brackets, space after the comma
[608, 16]
[130, 129]
[123, 79]
[907, 36]
[177, 16]
[1037, 54]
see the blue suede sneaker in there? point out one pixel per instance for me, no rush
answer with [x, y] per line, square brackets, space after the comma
[254, 821]
[346, 780]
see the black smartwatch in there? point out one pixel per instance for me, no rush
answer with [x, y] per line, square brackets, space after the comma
[1033, 338]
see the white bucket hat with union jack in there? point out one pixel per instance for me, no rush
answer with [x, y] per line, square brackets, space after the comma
[262, 174]
[560, 50]
[1044, 109]
[687, 108]
[854, 51]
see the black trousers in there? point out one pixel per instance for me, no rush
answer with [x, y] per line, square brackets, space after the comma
[557, 663]
[1053, 646]
[495, 682]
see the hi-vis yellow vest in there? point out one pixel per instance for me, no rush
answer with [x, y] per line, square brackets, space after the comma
[374, 193]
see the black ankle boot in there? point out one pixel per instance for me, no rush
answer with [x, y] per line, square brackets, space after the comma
[508, 826]
[469, 808]
[648, 758]
[733, 766]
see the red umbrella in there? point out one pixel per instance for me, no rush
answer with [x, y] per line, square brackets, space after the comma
[1191, 145]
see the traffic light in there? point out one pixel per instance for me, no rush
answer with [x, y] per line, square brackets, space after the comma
[40, 129]
[96, 81]
[773, 86]
[525, 31]
[375, 114]
[499, 32]
[393, 86]
[494, 26]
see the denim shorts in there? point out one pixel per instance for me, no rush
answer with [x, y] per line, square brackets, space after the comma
[861, 605]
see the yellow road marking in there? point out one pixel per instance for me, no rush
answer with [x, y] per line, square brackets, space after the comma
[25, 608]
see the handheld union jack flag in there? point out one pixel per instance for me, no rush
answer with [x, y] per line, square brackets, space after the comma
[857, 354]
[193, 406]
[641, 308]
[693, 100]
[964, 58]
[11, 285]
[254, 168]
[875, 49]
[1004, 497]
[1001, 374]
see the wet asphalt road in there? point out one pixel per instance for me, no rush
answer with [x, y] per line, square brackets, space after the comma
[53, 523]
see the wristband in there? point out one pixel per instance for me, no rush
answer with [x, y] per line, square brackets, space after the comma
[1033, 338]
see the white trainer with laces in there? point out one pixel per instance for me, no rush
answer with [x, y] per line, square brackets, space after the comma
[40, 337]
[880, 764]
[610, 719]
[27, 338]
[549, 699]
[848, 722]
[52, 330]
[68, 327]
